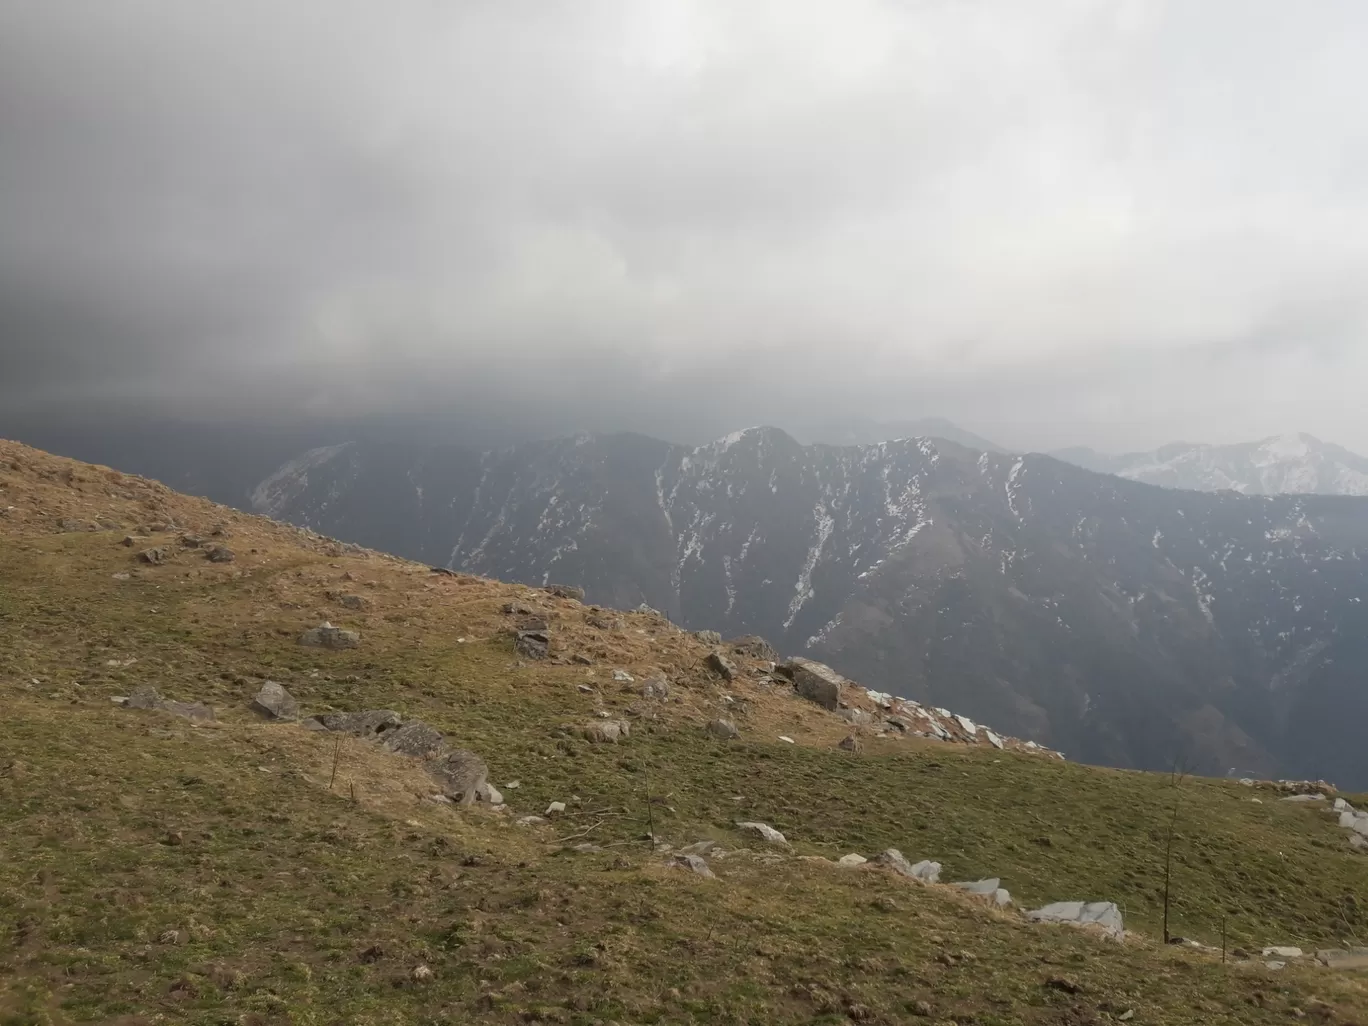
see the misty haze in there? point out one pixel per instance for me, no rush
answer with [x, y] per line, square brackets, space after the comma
[496, 496]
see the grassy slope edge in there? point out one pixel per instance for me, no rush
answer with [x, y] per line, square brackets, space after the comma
[152, 870]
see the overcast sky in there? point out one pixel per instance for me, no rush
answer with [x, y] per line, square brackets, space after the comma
[1109, 222]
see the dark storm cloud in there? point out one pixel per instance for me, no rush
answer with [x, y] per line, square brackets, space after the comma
[1086, 220]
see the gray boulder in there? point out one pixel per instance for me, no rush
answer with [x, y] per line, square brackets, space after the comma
[694, 863]
[816, 682]
[416, 738]
[461, 773]
[219, 554]
[723, 729]
[532, 644]
[275, 703]
[154, 555]
[765, 831]
[708, 637]
[926, 870]
[1103, 914]
[328, 636]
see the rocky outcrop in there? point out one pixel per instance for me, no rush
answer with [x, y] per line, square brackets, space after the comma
[532, 644]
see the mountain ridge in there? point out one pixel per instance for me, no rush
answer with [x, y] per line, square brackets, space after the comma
[1297, 463]
[1116, 621]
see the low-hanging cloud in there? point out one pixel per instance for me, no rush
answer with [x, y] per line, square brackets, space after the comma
[1107, 221]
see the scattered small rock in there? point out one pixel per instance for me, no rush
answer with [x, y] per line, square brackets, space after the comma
[422, 974]
[529, 821]
[923, 1009]
[155, 556]
[623, 677]
[1281, 952]
[708, 637]
[698, 848]
[851, 860]
[554, 809]
[787, 740]
[851, 743]
[220, 554]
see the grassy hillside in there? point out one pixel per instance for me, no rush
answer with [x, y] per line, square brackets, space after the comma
[154, 870]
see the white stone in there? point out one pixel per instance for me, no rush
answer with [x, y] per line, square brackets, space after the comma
[623, 676]
[786, 739]
[1277, 952]
[554, 808]
[851, 860]
[993, 739]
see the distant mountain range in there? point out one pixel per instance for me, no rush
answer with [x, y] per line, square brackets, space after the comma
[856, 431]
[1119, 622]
[1293, 464]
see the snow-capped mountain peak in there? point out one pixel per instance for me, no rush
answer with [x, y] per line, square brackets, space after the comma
[1295, 463]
